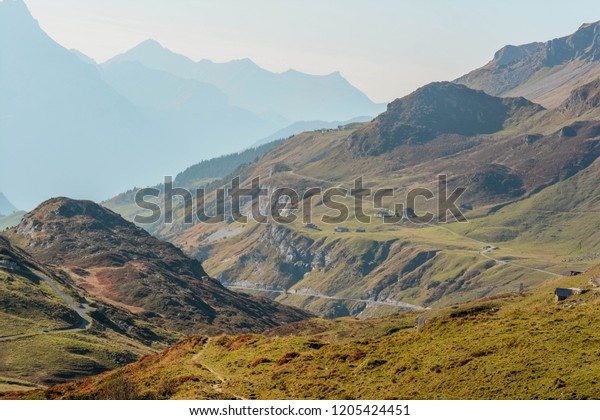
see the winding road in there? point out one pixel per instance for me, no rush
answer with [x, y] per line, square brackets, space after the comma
[394, 303]
[484, 252]
[82, 311]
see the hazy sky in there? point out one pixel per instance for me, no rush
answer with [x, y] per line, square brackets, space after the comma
[386, 48]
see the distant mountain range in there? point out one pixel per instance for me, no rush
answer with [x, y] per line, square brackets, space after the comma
[544, 72]
[144, 114]
[6, 207]
[291, 96]
[300, 126]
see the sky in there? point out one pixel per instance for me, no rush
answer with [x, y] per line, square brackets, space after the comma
[386, 48]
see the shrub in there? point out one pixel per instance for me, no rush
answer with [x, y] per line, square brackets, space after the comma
[258, 361]
[121, 388]
[288, 357]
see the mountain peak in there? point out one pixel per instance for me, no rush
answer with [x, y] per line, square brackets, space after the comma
[244, 64]
[149, 43]
[452, 108]
[82, 215]
[15, 16]
[6, 207]
[68, 207]
[14, 5]
[587, 25]
[436, 109]
[149, 46]
[154, 55]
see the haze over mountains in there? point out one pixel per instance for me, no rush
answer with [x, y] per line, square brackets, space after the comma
[289, 95]
[415, 307]
[6, 207]
[90, 131]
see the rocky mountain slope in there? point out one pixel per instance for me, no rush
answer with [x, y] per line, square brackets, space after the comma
[52, 331]
[93, 292]
[544, 72]
[439, 109]
[504, 151]
[120, 263]
[583, 100]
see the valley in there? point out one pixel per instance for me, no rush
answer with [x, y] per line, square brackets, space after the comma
[512, 183]
[309, 243]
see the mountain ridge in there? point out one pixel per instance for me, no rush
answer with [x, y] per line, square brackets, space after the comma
[544, 72]
[439, 108]
[251, 87]
[504, 151]
[58, 103]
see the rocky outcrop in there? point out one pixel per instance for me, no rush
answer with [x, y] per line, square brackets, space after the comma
[438, 109]
[583, 99]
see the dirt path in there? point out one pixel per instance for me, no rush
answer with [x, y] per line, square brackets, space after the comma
[198, 361]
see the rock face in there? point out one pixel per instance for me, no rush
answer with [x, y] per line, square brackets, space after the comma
[583, 99]
[115, 260]
[511, 70]
[295, 256]
[435, 110]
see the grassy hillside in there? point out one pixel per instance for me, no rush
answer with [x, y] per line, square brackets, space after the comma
[28, 305]
[531, 192]
[93, 292]
[51, 331]
[559, 223]
[517, 346]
